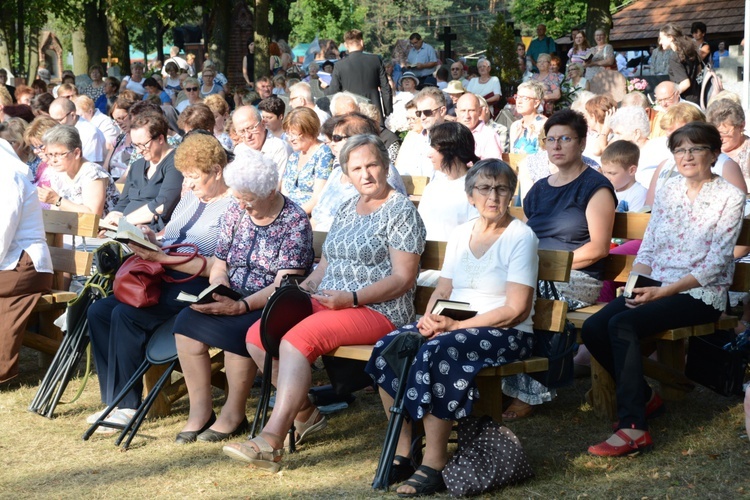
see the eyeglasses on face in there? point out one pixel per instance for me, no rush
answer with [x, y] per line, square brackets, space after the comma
[485, 190]
[667, 99]
[681, 152]
[335, 138]
[143, 147]
[562, 140]
[523, 98]
[252, 129]
[426, 112]
[191, 89]
[64, 117]
[57, 156]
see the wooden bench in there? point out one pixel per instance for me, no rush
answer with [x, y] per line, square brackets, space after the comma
[415, 185]
[669, 368]
[42, 335]
[548, 315]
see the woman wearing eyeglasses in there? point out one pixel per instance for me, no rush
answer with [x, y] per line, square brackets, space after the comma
[574, 210]
[524, 133]
[311, 163]
[190, 94]
[688, 246]
[153, 186]
[76, 185]
[491, 262]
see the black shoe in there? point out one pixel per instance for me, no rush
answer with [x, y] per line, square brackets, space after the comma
[191, 436]
[212, 436]
[401, 470]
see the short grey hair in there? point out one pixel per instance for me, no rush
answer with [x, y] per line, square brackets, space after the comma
[341, 97]
[492, 168]
[358, 141]
[252, 172]
[632, 118]
[433, 93]
[725, 111]
[303, 90]
[534, 86]
[63, 135]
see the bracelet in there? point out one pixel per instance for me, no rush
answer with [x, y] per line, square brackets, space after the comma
[355, 302]
[247, 306]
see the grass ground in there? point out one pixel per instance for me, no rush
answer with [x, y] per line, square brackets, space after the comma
[698, 453]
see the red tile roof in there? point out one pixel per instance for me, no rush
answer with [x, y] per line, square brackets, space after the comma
[638, 24]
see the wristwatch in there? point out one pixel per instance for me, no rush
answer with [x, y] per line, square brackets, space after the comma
[58, 202]
[355, 302]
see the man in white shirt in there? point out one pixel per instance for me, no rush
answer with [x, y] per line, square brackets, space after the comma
[63, 111]
[487, 143]
[430, 103]
[300, 95]
[86, 110]
[249, 127]
[175, 58]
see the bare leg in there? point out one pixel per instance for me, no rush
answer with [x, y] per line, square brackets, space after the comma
[259, 357]
[437, 431]
[403, 447]
[196, 368]
[240, 375]
[747, 411]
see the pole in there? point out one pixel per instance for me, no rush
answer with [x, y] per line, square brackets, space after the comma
[746, 58]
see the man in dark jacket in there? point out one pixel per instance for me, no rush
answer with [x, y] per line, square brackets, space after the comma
[362, 74]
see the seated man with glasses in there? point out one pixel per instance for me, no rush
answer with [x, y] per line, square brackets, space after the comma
[63, 110]
[666, 94]
[251, 131]
[153, 185]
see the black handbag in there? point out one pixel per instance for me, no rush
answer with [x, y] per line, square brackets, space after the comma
[559, 348]
[713, 366]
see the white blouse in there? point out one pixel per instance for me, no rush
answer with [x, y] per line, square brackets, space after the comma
[697, 237]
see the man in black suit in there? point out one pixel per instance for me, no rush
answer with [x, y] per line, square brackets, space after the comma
[362, 74]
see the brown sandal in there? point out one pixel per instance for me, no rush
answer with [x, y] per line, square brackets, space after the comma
[517, 410]
[264, 457]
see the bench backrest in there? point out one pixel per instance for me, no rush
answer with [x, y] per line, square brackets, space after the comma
[554, 265]
[415, 184]
[68, 260]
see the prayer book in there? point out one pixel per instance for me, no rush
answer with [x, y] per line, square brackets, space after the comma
[127, 233]
[637, 280]
[454, 309]
[206, 296]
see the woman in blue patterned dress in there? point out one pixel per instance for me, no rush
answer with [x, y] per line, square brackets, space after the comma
[490, 262]
[263, 236]
[364, 288]
[311, 163]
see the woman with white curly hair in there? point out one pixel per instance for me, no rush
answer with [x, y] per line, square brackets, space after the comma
[263, 236]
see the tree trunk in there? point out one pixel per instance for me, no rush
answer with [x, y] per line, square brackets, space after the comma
[597, 16]
[33, 54]
[159, 39]
[4, 53]
[96, 36]
[282, 27]
[221, 25]
[80, 53]
[262, 40]
[20, 67]
[119, 41]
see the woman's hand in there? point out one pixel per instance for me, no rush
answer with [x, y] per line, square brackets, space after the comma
[433, 324]
[224, 306]
[645, 295]
[147, 254]
[334, 299]
[47, 195]
[148, 234]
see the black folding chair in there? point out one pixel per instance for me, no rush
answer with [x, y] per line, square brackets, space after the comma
[161, 349]
[285, 308]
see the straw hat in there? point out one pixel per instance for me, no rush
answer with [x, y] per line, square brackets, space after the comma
[455, 87]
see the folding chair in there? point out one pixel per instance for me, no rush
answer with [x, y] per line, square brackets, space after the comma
[285, 308]
[161, 349]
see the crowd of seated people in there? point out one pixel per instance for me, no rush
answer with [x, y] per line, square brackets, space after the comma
[249, 182]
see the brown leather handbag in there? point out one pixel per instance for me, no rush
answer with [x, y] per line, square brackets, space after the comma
[138, 282]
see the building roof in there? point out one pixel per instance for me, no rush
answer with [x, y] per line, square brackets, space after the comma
[638, 24]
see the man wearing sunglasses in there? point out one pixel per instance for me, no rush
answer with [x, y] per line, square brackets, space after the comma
[430, 103]
[63, 111]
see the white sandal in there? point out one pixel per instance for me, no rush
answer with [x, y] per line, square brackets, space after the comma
[265, 457]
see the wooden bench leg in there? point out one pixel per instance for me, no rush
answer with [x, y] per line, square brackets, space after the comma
[602, 392]
[671, 353]
[491, 397]
[162, 405]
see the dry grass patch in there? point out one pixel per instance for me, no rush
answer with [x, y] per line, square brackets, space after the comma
[698, 453]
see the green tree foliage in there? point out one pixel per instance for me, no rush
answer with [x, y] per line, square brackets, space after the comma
[561, 15]
[326, 18]
[501, 52]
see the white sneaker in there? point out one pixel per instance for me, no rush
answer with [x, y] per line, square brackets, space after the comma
[120, 416]
[91, 419]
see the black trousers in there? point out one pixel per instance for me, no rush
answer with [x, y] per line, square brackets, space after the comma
[119, 334]
[613, 337]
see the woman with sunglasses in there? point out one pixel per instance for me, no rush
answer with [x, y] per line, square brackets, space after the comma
[573, 209]
[190, 94]
[524, 133]
[338, 188]
[153, 186]
[688, 246]
[310, 164]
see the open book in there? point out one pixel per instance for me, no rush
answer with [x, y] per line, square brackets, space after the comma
[637, 280]
[127, 233]
[454, 309]
[206, 296]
